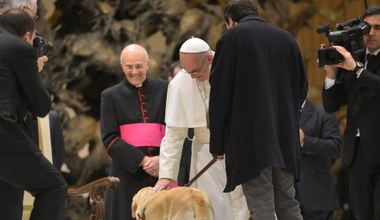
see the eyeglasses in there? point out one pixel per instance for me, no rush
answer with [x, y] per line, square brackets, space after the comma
[196, 71]
[35, 16]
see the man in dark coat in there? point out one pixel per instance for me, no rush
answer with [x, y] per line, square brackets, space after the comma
[11, 202]
[358, 86]
[132, 126]
[22, 164]
[320, 142]
[258, 84]
[11, 206]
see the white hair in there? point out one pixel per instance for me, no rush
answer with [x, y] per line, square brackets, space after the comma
[9, 4]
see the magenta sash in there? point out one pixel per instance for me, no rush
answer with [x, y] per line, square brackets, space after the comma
[142, 134]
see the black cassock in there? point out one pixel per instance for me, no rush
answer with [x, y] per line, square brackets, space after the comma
[126, 105]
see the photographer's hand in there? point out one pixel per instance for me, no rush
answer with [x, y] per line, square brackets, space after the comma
[330, 71]
[41, 62]
[348, 63]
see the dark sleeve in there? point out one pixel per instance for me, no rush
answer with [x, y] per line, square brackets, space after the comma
[24, 60]
[122, 153]
[335, 97]
[322, 138]
[369, 84]
[303, 81]
[31, 127]
[221, 94]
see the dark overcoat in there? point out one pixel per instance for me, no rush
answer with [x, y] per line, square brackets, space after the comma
[258, 84]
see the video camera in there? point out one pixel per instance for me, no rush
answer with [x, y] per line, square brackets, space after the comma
[43, 46]
[348, 34]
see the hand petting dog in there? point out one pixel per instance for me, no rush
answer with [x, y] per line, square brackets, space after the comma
[163, 184]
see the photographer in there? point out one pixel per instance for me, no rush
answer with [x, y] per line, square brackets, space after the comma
[11, 203]
[21, 163]
[356, 83]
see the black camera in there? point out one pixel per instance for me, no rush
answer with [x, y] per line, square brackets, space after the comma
[43, 46]
[349, 35]
[329, 56]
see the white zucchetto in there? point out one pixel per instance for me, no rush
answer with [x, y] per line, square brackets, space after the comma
[194, 45]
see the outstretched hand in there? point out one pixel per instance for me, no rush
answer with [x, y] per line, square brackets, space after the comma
[162, 184]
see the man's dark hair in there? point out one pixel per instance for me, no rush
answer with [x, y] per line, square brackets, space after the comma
[174, 65]
[17, 22]
[373, 10]
[237, 9]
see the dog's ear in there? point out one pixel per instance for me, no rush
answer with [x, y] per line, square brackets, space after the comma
[138, 201]
[134, 208]
[135, 201]
[145, 195]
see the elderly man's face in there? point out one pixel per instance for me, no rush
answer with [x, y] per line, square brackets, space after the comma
[197, 65]
[135, 66]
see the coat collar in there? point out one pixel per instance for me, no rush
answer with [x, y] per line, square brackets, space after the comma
[250, 18]
[307, 112]
[144, 86]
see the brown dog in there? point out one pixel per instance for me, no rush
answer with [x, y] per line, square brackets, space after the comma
[180, 203]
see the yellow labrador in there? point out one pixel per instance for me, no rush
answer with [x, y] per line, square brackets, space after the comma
[179, 203]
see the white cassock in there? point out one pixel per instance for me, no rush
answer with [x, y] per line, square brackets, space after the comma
[186, 104]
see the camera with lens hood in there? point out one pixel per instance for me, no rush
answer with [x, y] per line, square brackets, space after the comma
[43, 46]
[348, 34]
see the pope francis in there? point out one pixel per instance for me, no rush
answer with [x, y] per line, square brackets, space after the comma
[187, 107]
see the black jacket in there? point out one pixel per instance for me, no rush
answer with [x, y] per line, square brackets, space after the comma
[125, 104]
[362, 97]
[21, 91]
[258, 84]
[322, 144]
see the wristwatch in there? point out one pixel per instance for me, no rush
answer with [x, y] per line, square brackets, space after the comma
[358, 66]
[358, 69]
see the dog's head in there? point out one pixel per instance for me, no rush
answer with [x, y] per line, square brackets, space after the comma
[140, 201]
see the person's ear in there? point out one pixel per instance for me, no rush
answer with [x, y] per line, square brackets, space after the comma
[23, 7]
[210, 57]
[233, 23]
[230, 23]
[26, 36]
[148, 63]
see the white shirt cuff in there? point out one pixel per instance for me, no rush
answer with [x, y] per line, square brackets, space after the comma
[329, 83]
